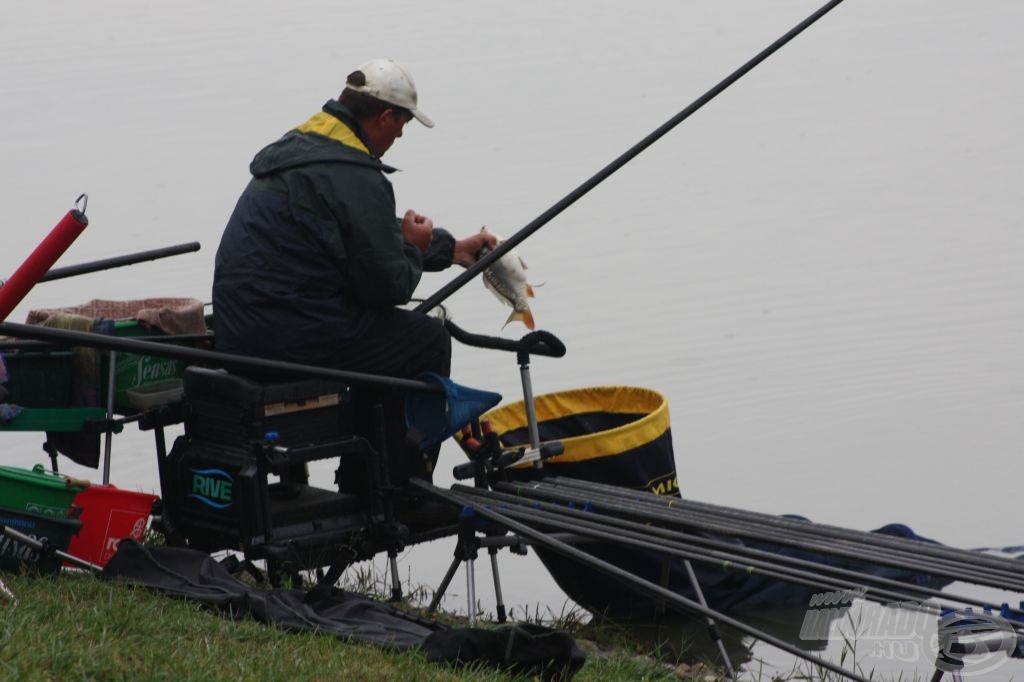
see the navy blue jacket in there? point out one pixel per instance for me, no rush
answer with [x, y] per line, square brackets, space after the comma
[314, 246]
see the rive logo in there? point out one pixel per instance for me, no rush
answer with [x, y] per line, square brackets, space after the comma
[212, 487]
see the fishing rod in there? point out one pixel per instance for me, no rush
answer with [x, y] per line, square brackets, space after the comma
[1009, 631]
[605, 528]
[678, 602]
[722, 527]
[25, 344]
[118, 261]
[882, 540]
[594, 530]
[198, 355]
[573, 196]
[992, 567]
[905, 560]
[731, 557]
[767, 525]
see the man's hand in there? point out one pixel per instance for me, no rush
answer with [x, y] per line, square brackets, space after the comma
[466, 250]
[417, 229]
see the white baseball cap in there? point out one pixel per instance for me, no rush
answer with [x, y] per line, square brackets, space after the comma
[390, 82]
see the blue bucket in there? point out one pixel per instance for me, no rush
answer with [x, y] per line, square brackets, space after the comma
[438, 416]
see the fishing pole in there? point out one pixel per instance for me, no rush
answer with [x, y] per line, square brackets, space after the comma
[723, 527]
[948, 557]
[26, 344]
[677, 601]
[573, 196]
[604, 528]
[636, 541]
[905, 560]
[118, 261]
[730, 556]
[974, 558]
[199, 355]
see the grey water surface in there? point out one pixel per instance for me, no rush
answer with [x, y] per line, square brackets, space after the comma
[821, 269]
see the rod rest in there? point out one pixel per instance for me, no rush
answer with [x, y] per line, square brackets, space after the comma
[539, 342]
[491, 460]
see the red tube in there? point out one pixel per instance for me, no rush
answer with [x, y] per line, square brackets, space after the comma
[44, 256]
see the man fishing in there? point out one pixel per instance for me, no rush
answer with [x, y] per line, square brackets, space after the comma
[314, 261]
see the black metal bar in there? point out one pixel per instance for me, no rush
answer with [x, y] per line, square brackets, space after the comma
[198, 355]
[24, 344]
[615, 165]
[445, 582]
[118, 261]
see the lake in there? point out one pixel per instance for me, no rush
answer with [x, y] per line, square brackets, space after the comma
[821, 269]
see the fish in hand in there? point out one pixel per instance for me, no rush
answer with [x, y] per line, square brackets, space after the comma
[506, 277]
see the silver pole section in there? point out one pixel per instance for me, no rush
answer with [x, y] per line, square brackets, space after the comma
[531, 411]
[470, 592]
[108, 437]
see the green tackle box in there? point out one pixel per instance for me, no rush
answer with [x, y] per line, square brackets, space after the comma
[140, 374]
[36, 490]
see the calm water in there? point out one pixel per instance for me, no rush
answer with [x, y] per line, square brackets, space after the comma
[820, 269]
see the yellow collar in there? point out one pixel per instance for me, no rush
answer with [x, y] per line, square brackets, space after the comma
[324, 124]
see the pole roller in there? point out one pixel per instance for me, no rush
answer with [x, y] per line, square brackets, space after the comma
[43, 257]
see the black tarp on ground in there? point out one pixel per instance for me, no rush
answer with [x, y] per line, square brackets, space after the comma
[194, 575]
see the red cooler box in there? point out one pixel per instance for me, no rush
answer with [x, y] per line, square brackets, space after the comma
[108, 516]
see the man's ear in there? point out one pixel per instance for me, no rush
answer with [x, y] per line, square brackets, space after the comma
[399, 116]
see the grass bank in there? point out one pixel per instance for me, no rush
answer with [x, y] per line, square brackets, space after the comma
[74, 627]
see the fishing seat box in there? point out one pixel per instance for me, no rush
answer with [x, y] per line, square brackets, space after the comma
[217, 492]
[217, 497]
[235, 411]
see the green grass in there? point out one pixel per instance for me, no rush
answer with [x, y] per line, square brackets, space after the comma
[74, 627]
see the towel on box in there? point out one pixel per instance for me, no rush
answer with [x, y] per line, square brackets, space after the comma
[169, 315]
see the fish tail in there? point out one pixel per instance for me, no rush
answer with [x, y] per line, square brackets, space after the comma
[524, 316]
